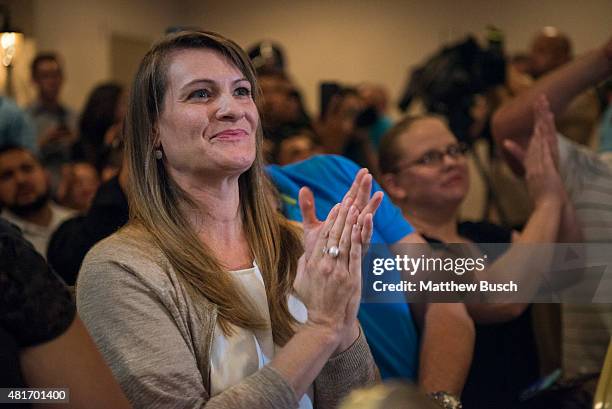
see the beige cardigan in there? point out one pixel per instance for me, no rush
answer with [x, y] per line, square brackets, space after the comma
[158, 346]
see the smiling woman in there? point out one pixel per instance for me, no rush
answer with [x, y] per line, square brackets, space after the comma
[210, 118]
[209, 297]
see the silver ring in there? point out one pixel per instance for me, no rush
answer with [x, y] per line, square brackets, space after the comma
[333, 251]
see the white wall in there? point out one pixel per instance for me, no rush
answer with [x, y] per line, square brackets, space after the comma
[354, 41]
[81, 30]
[357, 41]
[345, 40]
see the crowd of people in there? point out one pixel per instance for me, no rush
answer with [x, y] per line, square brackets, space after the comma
[196, 240]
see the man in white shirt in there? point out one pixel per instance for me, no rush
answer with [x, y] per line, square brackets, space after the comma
[25, 196]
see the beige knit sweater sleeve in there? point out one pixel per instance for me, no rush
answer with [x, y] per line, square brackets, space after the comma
[145, 327]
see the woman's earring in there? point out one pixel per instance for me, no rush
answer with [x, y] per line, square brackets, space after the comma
[158, 154]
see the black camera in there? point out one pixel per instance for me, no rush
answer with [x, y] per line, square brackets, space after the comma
[448, 82]
[364, 119]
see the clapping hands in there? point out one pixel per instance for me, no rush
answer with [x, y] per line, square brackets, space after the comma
[329, 283]
[541, 158]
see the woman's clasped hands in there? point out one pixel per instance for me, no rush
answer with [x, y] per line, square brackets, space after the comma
[328, 279]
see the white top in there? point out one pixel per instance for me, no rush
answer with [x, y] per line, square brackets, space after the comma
[235, 358]
[40, 236]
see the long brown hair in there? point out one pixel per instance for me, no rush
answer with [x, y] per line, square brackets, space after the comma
[155, 200]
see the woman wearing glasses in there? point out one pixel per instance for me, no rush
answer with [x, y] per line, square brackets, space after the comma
[424, 170]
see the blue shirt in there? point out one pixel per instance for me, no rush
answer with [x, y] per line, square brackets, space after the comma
[388, 326]
[16, 127]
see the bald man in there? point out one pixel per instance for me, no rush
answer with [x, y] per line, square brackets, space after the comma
[550, 50]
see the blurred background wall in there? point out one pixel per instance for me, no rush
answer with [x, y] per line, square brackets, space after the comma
[346, 40]
[349, 41]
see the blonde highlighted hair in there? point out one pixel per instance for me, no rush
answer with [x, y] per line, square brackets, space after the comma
[155, 200]
[389, 152]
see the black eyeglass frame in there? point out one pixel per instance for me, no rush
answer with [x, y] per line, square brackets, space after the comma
[435, 157]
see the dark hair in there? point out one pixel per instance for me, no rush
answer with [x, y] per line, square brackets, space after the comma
[348, 92]
[9, 147]
[520, 58]
[40, 58]
[267, 54]
[98, 115]
[290, 133]
[269, 72]
[341, 92]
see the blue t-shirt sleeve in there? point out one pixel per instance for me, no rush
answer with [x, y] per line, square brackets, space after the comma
[288, 190]
[25, 128]
[389, 220]
[19, 127]
[330, 176]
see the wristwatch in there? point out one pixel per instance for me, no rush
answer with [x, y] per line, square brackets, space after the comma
[446, 400]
